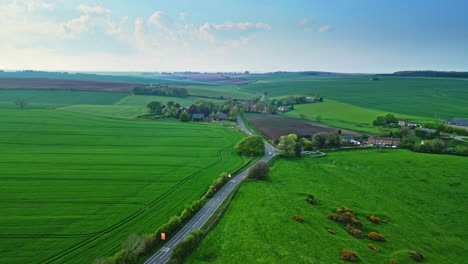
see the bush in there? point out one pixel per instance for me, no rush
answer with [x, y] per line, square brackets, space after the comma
[307, 145]
[373, 247]
[348, 255]
[259, 170]
[376, 236]
[298, 219]
[135, 244]
[375, 220]
[251, 146]
[311, 201]
[330, 231]
[417, 256]
[124, 256]
[184, 248]
[345, 216]
[392, 261]
[355, 232]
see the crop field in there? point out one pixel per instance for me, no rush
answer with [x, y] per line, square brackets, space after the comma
[428, 97]
[226, 91]
[38, 83]
[341, 115]
[74, 186]
[274, 126]
[420, 195]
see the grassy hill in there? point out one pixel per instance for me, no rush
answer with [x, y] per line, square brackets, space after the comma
[74, 186]
[420, 195]
[341, 115]
[428, 97]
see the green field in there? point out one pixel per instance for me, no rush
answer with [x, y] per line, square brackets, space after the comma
[421, 195]
[428, 97]
[60, 97]
[341, 115]
[74, 185]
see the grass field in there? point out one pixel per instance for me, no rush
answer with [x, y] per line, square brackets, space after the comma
[421, 195]
[74, 186]
[341, 115]
[428, 97]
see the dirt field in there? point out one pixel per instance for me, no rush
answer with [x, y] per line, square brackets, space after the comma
[39, 83]
[274, 126]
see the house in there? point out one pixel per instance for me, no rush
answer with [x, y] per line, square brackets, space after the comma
[283, 109]
[310, 99]
[198, 117]
[351, 140]
[221, 116]
[405, 122]
[456, 121]
[383, 141]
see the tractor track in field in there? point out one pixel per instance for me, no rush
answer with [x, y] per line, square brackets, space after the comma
[96, 235]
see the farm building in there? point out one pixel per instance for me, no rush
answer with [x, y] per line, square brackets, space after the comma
[310, 99]
[221, 116]
[383, 141]
[157, 85]
[350, 139]
[198, 117]
[456, 121]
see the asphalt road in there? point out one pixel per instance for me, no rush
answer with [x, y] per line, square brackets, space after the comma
[164, 254]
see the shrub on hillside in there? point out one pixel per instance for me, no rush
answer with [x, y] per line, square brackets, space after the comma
[355, 232]
[298, 219]
[373, 247]
[348, 255]
[311, 201]
[259, 170]
[345, 216]
[376, 236]
[251, 146]
[375, 220]
[392, 261]
[330, 231]
[417, 256]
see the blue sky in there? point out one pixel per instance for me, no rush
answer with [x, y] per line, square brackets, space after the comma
[259, 36]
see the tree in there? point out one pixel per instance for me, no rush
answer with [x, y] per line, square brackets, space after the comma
[298, 149]
[251, 146]
[259, 170]
[155, 107]
[303, 116]
[333, 140]
[21, 103]
[134, 243]
[438, 145]
[318, 118]
[307, 145]
[170, 104]
[259, 107]
[184, 116]
[287, 144]
[319, 140]
[293, 136]
[317, 96]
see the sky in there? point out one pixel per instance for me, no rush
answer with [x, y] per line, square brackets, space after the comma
[354, 36]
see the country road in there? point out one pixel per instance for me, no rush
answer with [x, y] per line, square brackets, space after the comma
[164, 254]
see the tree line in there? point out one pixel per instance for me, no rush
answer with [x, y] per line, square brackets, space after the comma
[161, 91]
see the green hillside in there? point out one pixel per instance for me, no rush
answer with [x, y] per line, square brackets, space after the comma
[420, 195]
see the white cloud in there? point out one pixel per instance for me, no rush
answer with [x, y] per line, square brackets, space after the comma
[161, 20]
[182, 16]
[241, 26]
[32, 5]
[93, 16]
[325, 29]
[98, 10]
[261, 25]
[303, 22]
